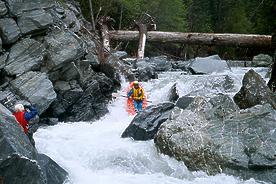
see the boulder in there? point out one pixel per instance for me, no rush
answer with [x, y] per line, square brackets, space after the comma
[173, 94]
[3, 9]
[9, 30]
[52, 171]
[161, 63]
[36, 88]
[145, 124]
[24, 56]
[34, 21]
[254, 91]
[71, 21]
[182, 65]
[184, 102]
[16, 7]
[63, 47]
[262, 60]
[208, 65]
[209, 86]
[145, 70]
[19, 169]
[19, 160]
[241, 144]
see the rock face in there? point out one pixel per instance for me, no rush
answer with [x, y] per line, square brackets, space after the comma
[63, 47]
[24, 56]
[254, 91]
[9, 30]
[213, 136]
[208, 65]
[146, 124]
[35, 87]
[262, 60]
[18, 7]
[33, 21]
[19, 160]
[3, 9]
[173, 94]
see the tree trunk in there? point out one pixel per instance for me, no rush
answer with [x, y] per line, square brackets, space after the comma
[92, 16]
[142, 41]
[235, 40]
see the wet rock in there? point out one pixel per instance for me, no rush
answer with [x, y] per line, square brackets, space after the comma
[146, 123]
[52, 171]
[208, 65]
[3, 9]
[36, 88]
[208, 86]
[63, 47]
[254, 91]
[173, 94]
[9, 30]
[145, 70]
[18, 169]
[161, 63]
[184, 102]
[262, 60]
[240, 144]
[18, 7]
[24, 56]
[34, 21]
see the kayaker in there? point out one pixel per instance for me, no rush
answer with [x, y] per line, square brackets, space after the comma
[138, 95]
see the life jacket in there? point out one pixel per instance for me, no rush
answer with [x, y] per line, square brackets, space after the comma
[21, 120]
[138, 94]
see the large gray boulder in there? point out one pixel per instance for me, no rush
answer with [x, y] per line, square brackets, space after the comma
[19, 160]
[236, 143]
[84, 100]
[24, 56]
[9, 30]
[208, 65]
[146, 123]
[17, 7]
[34, 21]
[254, 91]
[63, 47]
[262, 60]
[36, 88]
[161, 63]
[3, 9]
[145, 70]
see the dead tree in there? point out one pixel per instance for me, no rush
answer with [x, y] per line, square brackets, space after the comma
[235, 40]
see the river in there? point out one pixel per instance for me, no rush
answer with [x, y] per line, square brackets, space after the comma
[93, 152]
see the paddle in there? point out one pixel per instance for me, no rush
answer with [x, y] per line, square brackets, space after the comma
[114, 95]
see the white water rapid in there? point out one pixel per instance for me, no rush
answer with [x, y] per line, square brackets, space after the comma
[94, 153]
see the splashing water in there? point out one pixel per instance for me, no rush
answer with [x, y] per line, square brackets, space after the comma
[93, 152]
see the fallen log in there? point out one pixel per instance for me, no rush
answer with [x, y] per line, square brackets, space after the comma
[227, 39]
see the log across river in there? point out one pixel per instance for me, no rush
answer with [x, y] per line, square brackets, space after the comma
[235, 40]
